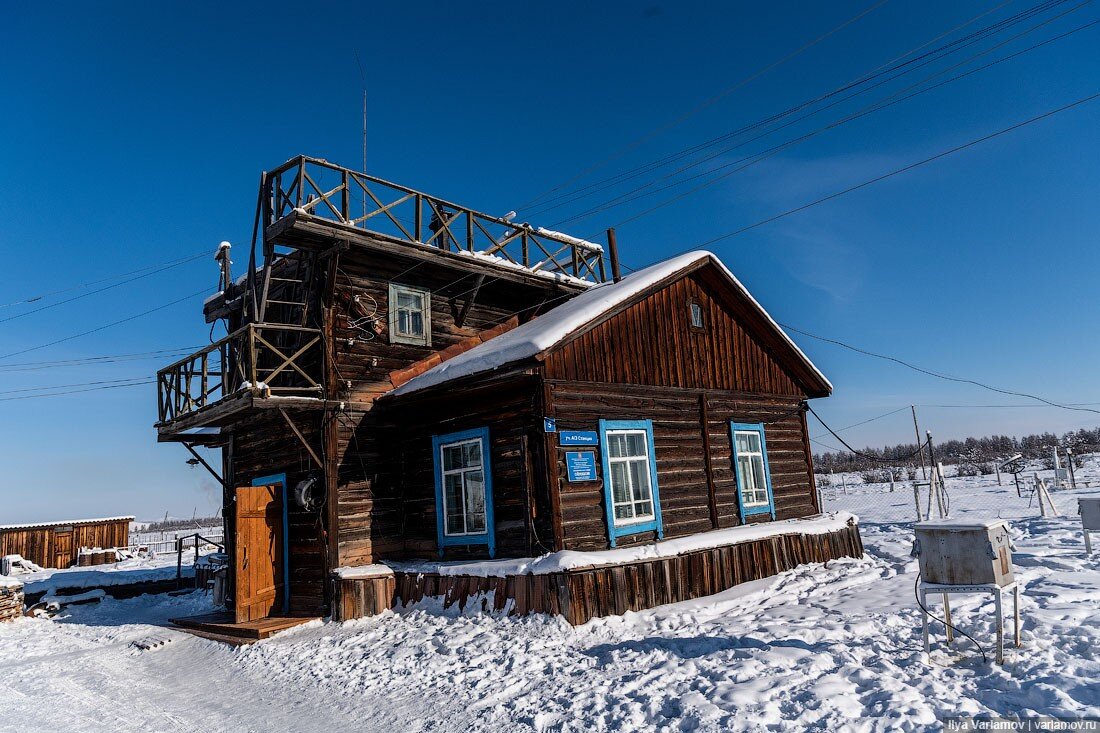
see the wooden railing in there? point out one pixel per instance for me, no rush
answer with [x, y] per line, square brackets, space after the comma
[266, 358]
[319, 188]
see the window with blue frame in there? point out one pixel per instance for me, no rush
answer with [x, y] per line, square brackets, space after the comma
[630, 478]
[750, 458]
[463, 489]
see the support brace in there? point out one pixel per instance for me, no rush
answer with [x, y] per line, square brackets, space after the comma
[302, 438]
[205, 464]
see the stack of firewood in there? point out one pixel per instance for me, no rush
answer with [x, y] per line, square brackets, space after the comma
[11, 599]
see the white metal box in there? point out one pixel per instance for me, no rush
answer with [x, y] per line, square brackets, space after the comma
[964, 552]
[1090, 513]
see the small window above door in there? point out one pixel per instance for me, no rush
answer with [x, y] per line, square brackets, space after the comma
[410, 315]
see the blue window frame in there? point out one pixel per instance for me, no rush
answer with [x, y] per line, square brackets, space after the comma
[630, 491]
[750, 466]
[280, 478]
[463, 490]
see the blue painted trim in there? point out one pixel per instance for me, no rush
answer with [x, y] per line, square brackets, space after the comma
[655, 524]
[757, 427]
[489, 537]
[280, 478]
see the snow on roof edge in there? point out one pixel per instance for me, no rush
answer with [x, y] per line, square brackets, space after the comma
[60, 522]
[551, 328]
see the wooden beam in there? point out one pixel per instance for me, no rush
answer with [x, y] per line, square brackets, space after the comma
[461, 318]
[712, 491]
[205, 465]
[302, 438]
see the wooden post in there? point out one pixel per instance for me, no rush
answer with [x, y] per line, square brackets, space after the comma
[613, 251]
[920, 445]
[712, 492]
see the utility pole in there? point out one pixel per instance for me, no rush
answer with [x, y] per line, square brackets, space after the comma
[920, 446]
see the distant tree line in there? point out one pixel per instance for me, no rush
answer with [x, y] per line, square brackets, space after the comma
[973, 456]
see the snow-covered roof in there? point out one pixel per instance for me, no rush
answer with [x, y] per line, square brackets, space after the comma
[544, 332]
[64, 522]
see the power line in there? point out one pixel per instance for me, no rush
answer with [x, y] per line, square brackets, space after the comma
[899, 171]
[706, 103]
[103, 327]
[938, 375]
[29, 366]
[887, 68]
[50, 388]
[76, 391]
[884, 69]
[103, 289]
[868, 456]
[164, 265]
[751, 160]
[869, 420]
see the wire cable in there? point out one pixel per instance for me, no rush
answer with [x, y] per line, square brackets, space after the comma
[706, 103]
[938, 375]
[868, 456]
[103, 327]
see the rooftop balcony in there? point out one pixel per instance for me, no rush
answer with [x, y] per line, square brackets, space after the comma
[258, 365]
[306, 192]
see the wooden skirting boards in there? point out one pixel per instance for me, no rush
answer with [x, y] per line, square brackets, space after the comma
[586, 593]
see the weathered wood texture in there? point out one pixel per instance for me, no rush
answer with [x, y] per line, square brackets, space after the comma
[653, 342]
[682, 468]
[586, 593]
[392, 514]
[57, 546]
[263, 446]
[361, 597]
[11, 601]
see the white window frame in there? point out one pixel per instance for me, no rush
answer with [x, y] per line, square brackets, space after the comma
[646, 461]
[396, 337]
[753, 456]
[444, 473]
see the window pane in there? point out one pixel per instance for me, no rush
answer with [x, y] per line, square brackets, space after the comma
[411, 301]
[416, 323]
[696, 315]
[636, 444]
[624, 511]
[616, 445]
[452, 457]
[643, 509]
[472, 454]
[454, 524]
[748, 442]
[745, 474]
[452, 493]
[620, 488]
[639, 476]
[475, 492]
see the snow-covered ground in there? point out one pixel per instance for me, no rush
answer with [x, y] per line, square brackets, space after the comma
[827, 648]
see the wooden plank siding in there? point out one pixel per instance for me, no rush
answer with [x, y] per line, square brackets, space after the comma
[265, 445]
[585, 593]
[50, 548]
[522, 516]
[652, 342]
[681, 464]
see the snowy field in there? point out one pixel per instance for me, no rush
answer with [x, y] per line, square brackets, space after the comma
[823, 648]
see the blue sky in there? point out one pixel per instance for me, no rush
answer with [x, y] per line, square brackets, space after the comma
[134, 135]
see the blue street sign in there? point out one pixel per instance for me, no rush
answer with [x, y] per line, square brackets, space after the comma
[578, 437]
[581, 465]
[549, 425]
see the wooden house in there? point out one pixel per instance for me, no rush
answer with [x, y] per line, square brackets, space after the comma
[57, 544]
[408, 381]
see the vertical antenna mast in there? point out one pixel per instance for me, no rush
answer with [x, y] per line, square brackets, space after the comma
[363, 79]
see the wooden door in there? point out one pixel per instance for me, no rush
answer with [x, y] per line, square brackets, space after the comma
[258, 553]
[62, 549]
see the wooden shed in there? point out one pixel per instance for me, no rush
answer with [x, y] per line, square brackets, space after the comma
[418, 382]
[56, 544]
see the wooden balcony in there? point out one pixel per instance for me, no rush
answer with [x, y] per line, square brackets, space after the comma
[308, 203]
[258, 365]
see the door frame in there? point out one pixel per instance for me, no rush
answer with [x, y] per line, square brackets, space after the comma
[280, 478]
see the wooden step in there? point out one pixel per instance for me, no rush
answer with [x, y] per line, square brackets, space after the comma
[222, 623]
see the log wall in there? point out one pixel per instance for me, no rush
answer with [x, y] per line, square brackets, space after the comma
[263, 446]
[694, 456]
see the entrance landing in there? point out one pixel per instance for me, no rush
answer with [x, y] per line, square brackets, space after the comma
[220, 626]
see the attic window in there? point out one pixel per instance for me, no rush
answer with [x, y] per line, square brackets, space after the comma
[696, 312]
[410, 315]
